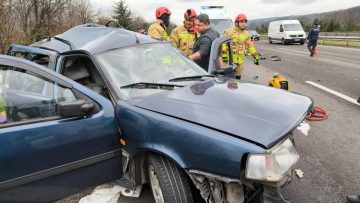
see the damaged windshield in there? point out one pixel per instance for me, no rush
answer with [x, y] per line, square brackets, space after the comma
[146, 63]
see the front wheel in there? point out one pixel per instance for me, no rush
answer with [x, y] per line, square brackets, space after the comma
[168, 182]
[283, 41]
[270, 40]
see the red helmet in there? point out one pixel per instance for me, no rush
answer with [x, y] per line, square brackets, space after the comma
[240, 17]
[162, 10]
[190, 14]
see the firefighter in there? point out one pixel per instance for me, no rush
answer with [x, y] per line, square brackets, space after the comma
[241, 44]
[183, 37]
[158, 29]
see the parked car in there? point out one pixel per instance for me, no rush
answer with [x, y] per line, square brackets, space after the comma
[254, 35]
[108, 103]
[286, 31]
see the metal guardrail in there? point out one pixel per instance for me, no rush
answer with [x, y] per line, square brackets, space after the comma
[341, 34]
[348, 41]
[327, 37]
[340, 37]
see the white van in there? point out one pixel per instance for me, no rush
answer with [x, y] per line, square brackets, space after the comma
[219, 19]
[286, 31]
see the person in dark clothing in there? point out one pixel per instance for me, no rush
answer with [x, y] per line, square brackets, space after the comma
[141, 29]
[202, 46]
[313, 37]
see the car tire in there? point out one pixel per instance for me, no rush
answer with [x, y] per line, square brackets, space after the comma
[270, 40]
[168, 182]
[283, 41]
[302, 43]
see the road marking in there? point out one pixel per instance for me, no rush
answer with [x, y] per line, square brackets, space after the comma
[347, 98]
[294, 50]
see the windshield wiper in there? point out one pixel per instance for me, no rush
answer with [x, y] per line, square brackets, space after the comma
[189, 78]
[147, 85]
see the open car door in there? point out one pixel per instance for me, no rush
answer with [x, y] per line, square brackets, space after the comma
[57, 136]
[217, 49]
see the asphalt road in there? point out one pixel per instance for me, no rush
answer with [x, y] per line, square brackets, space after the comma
[330, 154]
[337, 68]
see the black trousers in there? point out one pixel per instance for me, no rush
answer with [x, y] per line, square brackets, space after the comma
[312, 45]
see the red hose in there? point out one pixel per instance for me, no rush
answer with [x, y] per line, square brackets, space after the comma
[317, 114]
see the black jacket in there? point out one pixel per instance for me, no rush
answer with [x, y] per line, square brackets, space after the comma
[203, 45]
[314, 34]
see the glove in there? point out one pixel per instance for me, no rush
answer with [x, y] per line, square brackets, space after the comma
[256, 59]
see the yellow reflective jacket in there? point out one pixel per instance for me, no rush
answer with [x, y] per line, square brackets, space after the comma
[158, 31]
[241, 43]
[183, 39]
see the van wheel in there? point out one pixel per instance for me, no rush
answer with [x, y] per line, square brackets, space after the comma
[283, 41]
[270, 40]
[168, 182]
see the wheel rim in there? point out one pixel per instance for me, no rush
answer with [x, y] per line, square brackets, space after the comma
[155, 186]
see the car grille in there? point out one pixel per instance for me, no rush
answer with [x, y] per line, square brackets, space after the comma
[296, 35]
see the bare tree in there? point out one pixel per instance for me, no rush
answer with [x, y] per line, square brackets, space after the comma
[7, 29]
[26, 21]
[85, 11]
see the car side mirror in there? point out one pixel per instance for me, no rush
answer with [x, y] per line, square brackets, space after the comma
[75, 108]
[227, 71]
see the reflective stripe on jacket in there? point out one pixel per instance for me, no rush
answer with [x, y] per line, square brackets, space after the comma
[241, 43]
[183, 39]
[158, 31]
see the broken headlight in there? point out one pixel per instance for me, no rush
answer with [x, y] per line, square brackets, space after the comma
[272, 166]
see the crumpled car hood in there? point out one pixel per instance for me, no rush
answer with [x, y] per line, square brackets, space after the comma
[256, 113]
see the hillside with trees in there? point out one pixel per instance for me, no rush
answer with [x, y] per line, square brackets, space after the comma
[347, 20]
[27, 21]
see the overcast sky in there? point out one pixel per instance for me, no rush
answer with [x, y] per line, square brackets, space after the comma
[254, 9]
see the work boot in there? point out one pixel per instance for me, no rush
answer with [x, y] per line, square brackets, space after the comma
[353, 198]
[312, 54]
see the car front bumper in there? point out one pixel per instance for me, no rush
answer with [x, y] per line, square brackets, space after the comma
[295, 40]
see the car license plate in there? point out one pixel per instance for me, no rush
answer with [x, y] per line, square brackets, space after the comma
[296, 40]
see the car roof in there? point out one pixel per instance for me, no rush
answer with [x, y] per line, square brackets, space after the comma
[93, 38]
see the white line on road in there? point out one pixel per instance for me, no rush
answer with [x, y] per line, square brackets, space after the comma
[347, 98]
[294, 50]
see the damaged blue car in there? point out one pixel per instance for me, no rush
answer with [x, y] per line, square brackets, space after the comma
[96, 104]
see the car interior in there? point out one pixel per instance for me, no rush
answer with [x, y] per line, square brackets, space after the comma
[82, 70]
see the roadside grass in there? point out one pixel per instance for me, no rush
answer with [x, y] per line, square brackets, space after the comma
[345, 43]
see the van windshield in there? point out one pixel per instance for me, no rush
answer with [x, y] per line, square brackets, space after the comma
[292, 27]
[221, 25]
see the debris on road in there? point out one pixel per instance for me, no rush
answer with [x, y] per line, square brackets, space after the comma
[304, 128]
[317, 114]
[275, 58]
[109, 194]
[299, 173]
[262, 57]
